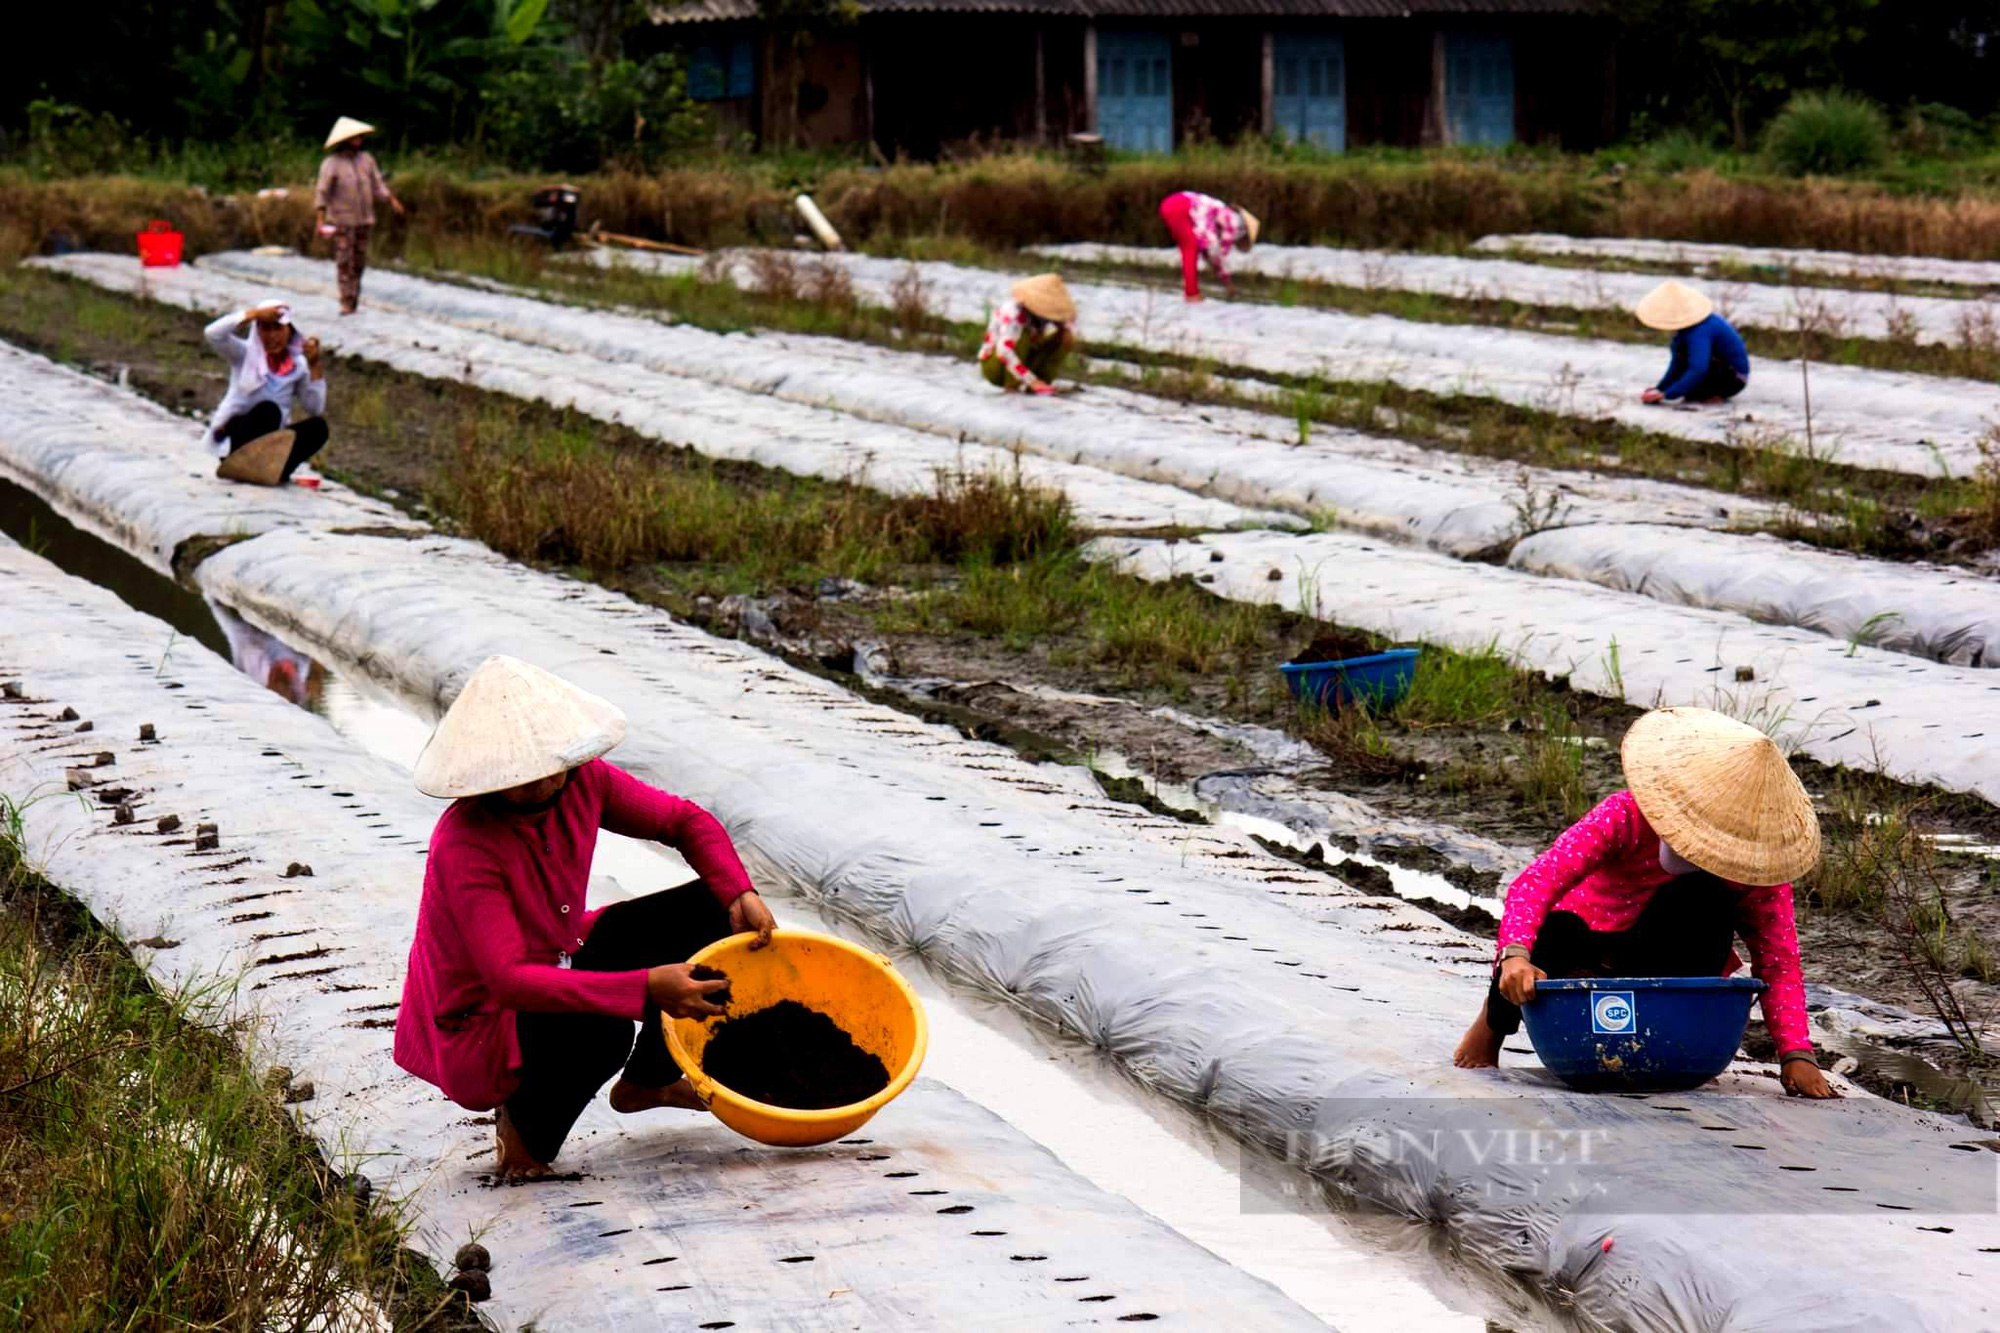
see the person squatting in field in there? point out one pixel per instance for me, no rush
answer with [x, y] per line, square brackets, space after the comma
[1206, 228]
[273, 369]
[350, 185]
[519, 999]
[1708, 362]
[1659, 879]
[1029, 337]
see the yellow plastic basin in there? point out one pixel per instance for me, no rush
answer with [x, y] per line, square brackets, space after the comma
[855, 987]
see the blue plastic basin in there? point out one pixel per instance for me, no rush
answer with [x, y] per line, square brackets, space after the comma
[1380, 679]
[1639, 1034]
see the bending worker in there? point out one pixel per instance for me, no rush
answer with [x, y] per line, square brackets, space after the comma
[271, 368]
[1658, 880]
[1709, 363]
[519, 997]
[1206, 228]
[350, 185]
[1029, 337]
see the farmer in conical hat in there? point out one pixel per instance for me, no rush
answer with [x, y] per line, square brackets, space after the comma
[519, 997]
[350, 185]
[1709, 363]
[1206, 228]
[1029, 337]
[1658, 880]
[273, 371]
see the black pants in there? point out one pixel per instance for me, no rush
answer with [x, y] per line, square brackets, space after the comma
[1720, 380]
[566, 1058]
[264, 418]
[1685, 931]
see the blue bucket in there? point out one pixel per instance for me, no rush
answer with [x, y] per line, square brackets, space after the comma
[1639, 1034]
[1380, 680]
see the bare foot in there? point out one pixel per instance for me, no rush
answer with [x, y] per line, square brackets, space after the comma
[629, 1097]
[1479, 1048]
[515, 1161]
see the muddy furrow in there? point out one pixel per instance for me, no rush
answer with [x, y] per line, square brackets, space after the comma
[1922, 722]
[1574, 522]
[1975, 274]
[673, 1222]
[1837, 311]
[1924, 425]
[1284, 1006]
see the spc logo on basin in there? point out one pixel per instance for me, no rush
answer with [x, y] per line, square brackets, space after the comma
[1612, 1012]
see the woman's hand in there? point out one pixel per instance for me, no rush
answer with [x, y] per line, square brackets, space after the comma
[258, 314]
[1517, 980]
[312, 351]
[1652, 396]
[748, 912]
[673, 990]
[1803, 1078]
[397, 204]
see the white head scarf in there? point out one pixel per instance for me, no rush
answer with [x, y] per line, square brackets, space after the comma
[252, 371]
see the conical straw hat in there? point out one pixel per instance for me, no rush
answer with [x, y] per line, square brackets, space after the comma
[1672, 306]
[346, 128]
[1721, 795]
[261, 461]
[1251, 225]
[514, 723]
[1045, 295]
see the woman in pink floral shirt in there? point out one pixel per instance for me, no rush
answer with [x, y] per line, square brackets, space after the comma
[1658, 880]
[1029, 337]
[1206, 228]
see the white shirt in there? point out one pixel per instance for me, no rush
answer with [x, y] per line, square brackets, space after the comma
[222, 335]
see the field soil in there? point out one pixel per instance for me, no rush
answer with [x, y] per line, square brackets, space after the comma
[399, 437]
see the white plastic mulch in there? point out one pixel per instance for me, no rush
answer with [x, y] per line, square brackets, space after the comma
[1973, 273]
[1302, 1015]
[1926, 425]
[1833, 310]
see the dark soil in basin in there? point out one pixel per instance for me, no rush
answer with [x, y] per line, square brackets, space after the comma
[1337, 647]
[790, 1055]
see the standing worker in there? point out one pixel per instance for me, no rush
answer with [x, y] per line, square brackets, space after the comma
[1709, 363]
[519, 1000]
[1029, 337]
[344, 200]
[1206, 228]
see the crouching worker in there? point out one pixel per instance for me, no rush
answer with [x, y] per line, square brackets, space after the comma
[1658, 880]
[1206, 228]
[518, 997]
[1030, 337]
[271, 369]
[1708, 362]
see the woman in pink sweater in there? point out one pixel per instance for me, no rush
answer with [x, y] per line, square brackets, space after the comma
[1206, 228]
[1657, 881]
[518, 998]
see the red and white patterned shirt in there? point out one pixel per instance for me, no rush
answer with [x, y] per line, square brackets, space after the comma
[1216, 229]
[1007, 327]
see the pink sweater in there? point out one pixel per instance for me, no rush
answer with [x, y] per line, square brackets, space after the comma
[503, 903]
[1606, 866]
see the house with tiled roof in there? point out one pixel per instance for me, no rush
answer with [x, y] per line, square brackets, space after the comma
[918, 77]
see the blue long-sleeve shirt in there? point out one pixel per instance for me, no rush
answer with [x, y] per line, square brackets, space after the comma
[1695, 348]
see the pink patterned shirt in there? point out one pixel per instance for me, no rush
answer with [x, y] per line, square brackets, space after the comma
[1605, 868]
[1216, 229]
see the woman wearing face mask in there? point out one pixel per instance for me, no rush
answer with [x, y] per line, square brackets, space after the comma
[271, 370]
[1658, 880]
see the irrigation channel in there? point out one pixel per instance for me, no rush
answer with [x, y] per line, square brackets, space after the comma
[1356, 1272]
[1314, 1028]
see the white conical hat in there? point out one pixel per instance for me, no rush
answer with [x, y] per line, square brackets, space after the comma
[346, 128]
[1673, 306]
[514, 723]
[1721, 795]
[1045, 295]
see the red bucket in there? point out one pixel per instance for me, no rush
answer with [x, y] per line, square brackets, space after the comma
[160, 244]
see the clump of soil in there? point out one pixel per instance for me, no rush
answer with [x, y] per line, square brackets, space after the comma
[790, 1055]
[1335, 647]
[703, 972]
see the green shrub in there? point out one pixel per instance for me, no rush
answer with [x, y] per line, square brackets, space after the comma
[1827, 134]
[1678, 150]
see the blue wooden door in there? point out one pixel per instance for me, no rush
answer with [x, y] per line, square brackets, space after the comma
[1309, 89]
[1479, 87]
[1135, 91]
